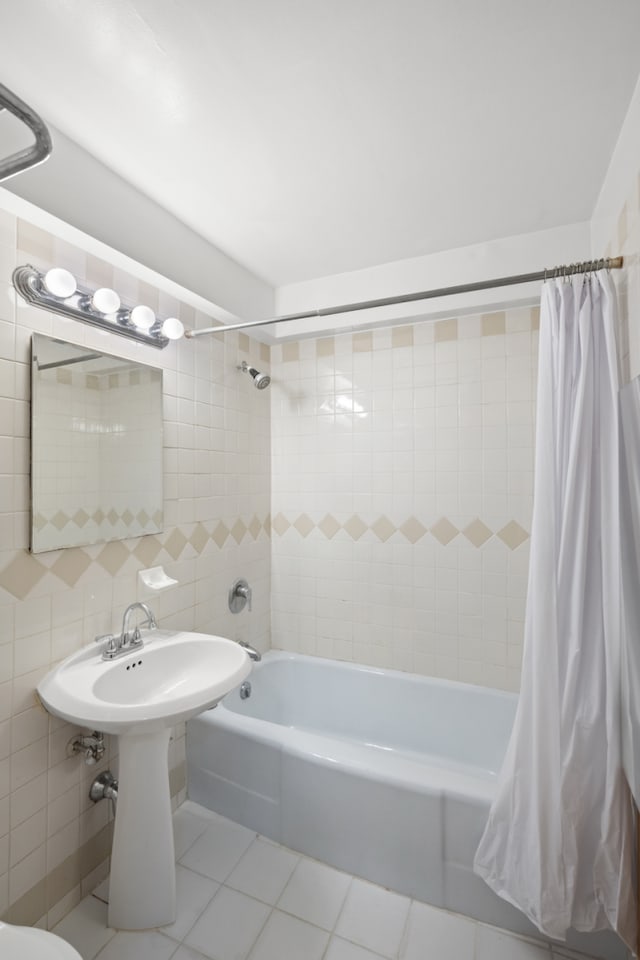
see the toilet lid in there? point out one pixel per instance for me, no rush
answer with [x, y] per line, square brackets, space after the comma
[27, 943]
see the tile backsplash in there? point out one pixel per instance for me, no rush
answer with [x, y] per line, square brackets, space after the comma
[402, 495]
[54, 843]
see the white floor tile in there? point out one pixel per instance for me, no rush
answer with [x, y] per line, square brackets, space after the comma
[186, 829]
[229, 926]
[263, 871]
[345, 950]
[493, 944]
[193, 893]
[85, 928]
[186, 953]
[315, 893]
[142, 945]
[218, 849]
[373, 917]
[433, 932]
[287, 938]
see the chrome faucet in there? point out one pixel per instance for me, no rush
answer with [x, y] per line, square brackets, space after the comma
[129, 639]
[252, 653]
[132, 638]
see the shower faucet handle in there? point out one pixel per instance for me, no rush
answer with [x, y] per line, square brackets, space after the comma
[240, 596]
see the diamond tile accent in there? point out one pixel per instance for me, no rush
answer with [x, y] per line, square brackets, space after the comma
[21, 575]
[143, 518]
[280, 524]
[267, 524]
[127, 516]
[60, 520]
[113, 557]
[304, 525]
[355, 527]
[513, 535]
[220, 534]
[158, 518]
[112, 517]
[199, 538]
[383, 528]
[175, 543]
[147, 549]
[413, 530]
[39, 521]
[444, 531]
[70, 566]
[477, 532]
[238, 530]
[98, 516]
[329, 525]
[80, 517]
[255, 527]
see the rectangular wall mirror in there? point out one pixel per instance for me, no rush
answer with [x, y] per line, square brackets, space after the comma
[96, 446]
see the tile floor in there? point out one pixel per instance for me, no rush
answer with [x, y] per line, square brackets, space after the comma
[241, 897]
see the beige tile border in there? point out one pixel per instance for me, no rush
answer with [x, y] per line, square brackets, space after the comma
[477, 533]
[25, 570]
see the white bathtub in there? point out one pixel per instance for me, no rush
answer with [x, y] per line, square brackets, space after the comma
[383, 774]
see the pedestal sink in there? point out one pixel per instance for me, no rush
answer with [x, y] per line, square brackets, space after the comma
[139, 697]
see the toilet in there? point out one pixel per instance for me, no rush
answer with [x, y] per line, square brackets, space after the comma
[27, 943]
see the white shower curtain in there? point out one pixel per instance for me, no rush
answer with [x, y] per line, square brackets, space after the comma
[558, 843]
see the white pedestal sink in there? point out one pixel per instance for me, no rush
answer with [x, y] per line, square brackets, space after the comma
[139, 697]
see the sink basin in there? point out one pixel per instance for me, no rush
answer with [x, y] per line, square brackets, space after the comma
[139, 697]
[173, 677]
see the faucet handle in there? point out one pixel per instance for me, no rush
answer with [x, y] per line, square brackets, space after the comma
[109, 643]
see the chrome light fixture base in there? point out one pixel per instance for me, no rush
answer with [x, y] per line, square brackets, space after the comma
[29, 283]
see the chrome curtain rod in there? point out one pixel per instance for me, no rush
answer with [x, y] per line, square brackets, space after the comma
[38, 151]
[586, 266]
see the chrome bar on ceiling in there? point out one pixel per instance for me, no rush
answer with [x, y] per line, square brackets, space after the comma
[29, 156]
[586, 266]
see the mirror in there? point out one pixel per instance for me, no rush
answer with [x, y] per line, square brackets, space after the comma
[96, 446]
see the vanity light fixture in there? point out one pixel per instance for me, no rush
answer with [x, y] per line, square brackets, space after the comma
[58, 292]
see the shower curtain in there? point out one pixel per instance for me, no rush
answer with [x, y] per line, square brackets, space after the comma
[558, 843]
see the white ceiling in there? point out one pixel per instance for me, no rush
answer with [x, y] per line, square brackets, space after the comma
[311, 137]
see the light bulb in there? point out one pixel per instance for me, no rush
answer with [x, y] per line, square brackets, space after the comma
[143, 317]
[173, 328]
[60, 282]
[105, 300]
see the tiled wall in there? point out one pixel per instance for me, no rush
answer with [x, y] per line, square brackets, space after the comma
[54, 842]
[626, 241]
[402, 494]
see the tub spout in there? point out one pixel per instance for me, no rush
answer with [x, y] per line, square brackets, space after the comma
[253, 654]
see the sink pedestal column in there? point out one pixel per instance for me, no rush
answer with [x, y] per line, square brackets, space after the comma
[142, 888]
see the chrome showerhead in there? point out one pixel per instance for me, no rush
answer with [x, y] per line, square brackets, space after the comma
[260, 380]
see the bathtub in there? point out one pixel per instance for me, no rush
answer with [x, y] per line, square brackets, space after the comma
[383, 774]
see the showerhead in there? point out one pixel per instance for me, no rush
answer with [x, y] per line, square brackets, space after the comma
[260, 380]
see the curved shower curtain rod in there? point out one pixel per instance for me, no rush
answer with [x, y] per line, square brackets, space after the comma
[30, 156]
[585, 266]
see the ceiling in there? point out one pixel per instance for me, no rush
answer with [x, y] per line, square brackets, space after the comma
[306, 138]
